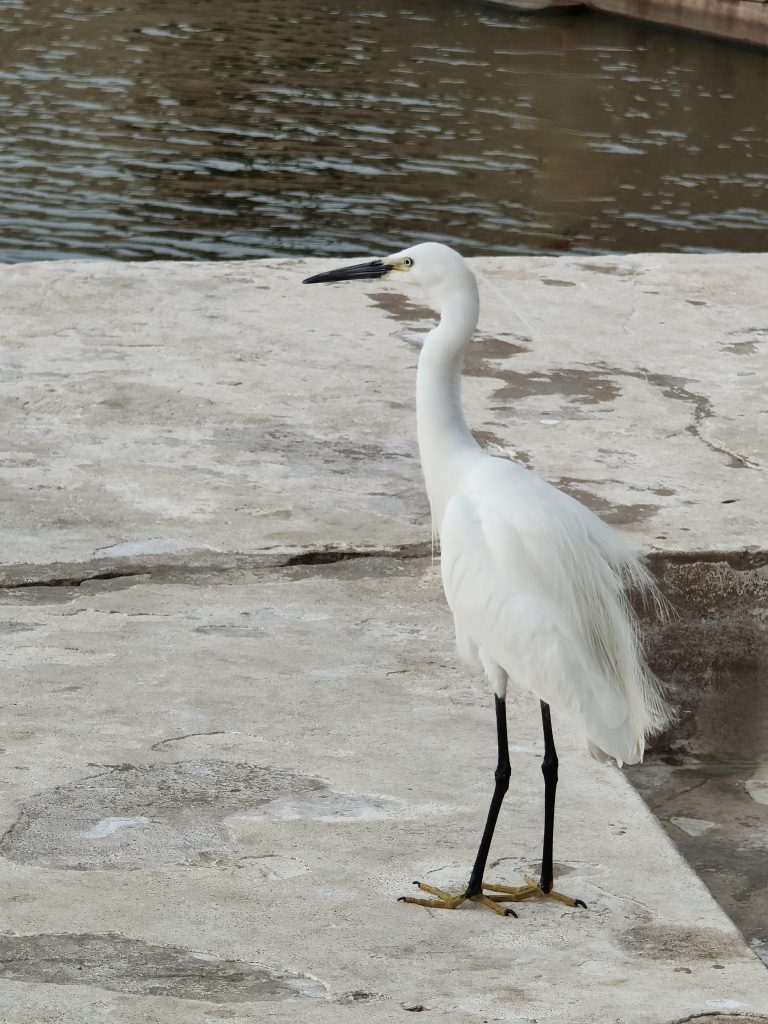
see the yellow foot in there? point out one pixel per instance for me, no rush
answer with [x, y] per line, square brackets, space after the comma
[447, 901]
[531, 890]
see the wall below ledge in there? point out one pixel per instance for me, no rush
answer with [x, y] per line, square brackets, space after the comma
[740, 21]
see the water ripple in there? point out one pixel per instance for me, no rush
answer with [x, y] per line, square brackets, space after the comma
[179, 130]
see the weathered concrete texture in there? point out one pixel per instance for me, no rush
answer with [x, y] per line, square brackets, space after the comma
[706, 783]
[118, 964]
[227, 749]
[252, 767]
[147, 816]
[155, 408]
[713, 652]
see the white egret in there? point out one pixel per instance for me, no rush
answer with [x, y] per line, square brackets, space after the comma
[536, 582]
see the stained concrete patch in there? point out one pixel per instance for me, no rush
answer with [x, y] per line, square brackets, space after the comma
[619, 269]
[328, 807]
[400, 307]
[668, 942]
[147, 816]
[120, 964]
[337, 453]
[583, 387]
[616, 515]
[487, 352]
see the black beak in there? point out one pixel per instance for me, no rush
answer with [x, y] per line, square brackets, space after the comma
[372, 271]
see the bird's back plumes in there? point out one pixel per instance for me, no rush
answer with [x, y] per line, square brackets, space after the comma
[539, 585]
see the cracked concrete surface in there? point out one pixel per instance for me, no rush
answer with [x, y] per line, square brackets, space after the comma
[160, 732]
[161, 408]
[233, 725]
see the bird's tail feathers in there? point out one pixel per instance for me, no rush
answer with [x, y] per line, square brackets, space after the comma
[621, 701]
[617, 642]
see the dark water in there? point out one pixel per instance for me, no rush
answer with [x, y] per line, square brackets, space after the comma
[714, 812]
[193, 129]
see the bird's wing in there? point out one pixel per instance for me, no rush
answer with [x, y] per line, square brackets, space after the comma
[529, 588]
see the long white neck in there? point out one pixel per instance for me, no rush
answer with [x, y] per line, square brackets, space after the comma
[445, 442]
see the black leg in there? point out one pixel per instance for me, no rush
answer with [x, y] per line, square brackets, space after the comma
[499, 893]
[503, 771]
[549, 770]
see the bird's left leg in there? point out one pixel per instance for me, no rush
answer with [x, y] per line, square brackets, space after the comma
[474, 890]
[549, 767]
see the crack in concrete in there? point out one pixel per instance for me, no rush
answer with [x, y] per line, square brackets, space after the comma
[677, 388]
[73, 581]
[702, 405]
[325, 556]
[684, 792]
[186, 736]
[749, 1018]
[63, 576]
[620, 896]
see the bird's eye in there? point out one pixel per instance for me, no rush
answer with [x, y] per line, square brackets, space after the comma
[407, 262]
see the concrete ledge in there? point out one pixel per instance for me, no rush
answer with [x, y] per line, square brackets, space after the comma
[234, 727]
[741, 21]
[152, 409]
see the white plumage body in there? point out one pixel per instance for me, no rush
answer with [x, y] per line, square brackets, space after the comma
[536, 585]
[536, 582]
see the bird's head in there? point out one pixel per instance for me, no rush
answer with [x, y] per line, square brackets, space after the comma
[436, 268]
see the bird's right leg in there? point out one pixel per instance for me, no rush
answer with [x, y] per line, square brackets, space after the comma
[474, 890]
